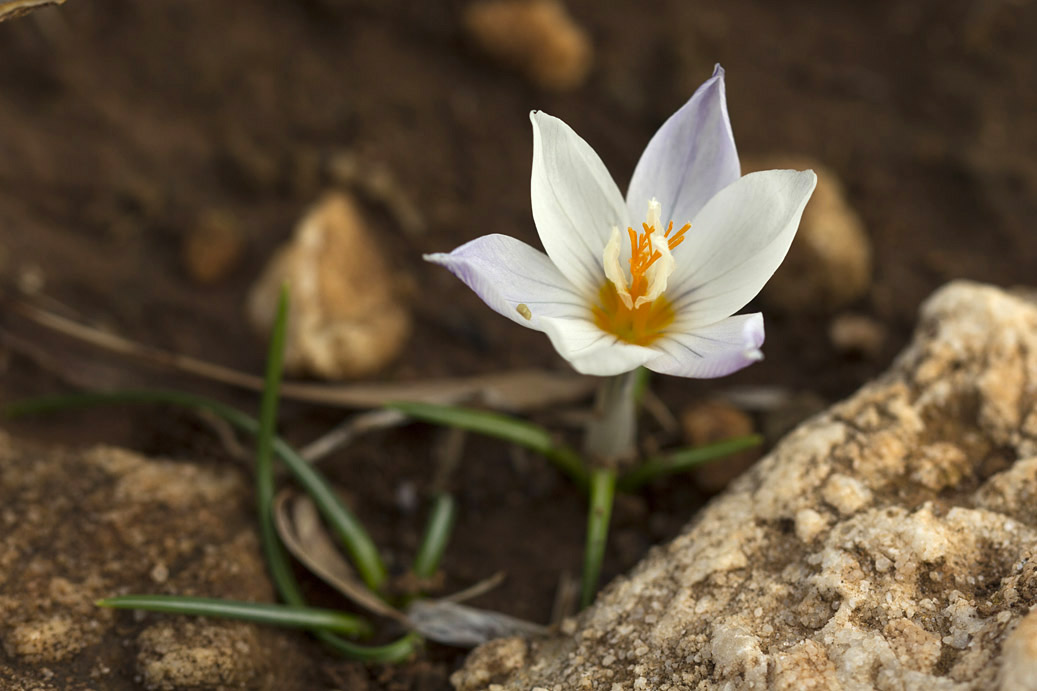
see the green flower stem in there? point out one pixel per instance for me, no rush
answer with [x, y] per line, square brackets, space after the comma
[437, 534]
[260, 612]
[683, 460]
[504, 427]
[358, 543]
[602, 492]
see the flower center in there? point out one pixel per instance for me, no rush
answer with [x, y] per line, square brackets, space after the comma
[636, 311]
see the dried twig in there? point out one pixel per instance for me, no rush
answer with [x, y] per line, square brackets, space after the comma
[517, 391]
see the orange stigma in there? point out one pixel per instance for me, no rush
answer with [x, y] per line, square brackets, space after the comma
[643, 254]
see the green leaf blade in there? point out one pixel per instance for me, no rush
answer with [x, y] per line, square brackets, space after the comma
[287, 616]
[683, 460]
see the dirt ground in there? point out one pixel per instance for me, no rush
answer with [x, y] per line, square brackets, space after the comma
[122, 123]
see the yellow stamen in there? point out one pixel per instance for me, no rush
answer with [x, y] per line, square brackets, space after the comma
[638, 312]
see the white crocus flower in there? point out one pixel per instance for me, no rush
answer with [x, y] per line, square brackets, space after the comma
[614, 293]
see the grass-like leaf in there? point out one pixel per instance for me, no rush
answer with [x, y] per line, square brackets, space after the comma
[261, 612]
[277, 559]
[501, 426]
[683, 460]
[437, 534]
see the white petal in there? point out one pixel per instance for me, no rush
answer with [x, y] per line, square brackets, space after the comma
[736, 243]
[690, 158]
[514, 279]
[712, 351]
[575, 201]
[592, 351]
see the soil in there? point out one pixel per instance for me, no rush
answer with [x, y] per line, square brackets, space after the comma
[123, 123]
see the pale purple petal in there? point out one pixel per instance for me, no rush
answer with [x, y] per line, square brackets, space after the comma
[736, 243]
[513, 278]
[592, 351]
[690, 158]
[575, 202]
[711, 351]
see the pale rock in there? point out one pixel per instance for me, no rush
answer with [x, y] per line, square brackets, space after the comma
[809, 524]
[1019, 671]
[886, 543]
[830, 262]
[491, 661]
[846, 494]
[83, 525]
[538, 38]
[346, 318]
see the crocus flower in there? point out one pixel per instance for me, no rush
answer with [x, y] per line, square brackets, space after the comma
[614, 292]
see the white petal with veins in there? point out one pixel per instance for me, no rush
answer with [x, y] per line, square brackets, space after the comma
[736, 243]
[575, 201]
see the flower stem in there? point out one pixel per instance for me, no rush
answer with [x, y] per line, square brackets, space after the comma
[602, 492]
[612, 433]
[611, 439]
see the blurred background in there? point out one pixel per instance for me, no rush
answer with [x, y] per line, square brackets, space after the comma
[157, 156]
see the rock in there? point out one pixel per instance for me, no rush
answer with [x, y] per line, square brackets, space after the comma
[79, 526]
[537, 38]
[346, 318]
[212, 246]
[857, 335]
[491, 661]
[890, 542]
[710, 422]
[829, 263]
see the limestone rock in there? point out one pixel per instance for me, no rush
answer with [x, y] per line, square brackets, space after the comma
[535, 37]
[890, 542]
[830, 261]
[78, 526]
[346, 318]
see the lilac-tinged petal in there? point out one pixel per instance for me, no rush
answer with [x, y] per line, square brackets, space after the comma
[711, 351]
[513, 279]
[575, 202]
[592, 351]
[736, 243]
[690, 158]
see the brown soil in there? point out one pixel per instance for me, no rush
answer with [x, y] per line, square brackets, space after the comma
[122, 123]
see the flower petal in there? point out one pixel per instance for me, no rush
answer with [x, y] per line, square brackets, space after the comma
[712, 351]
[513, 279]
[690, 158]
[736, 243]
[592, 351]
[575, 202]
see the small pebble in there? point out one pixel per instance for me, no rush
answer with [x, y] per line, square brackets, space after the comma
[537, 38]
[710, 422]
[347, 318]
[830, 261]
[212, 246]
[857, 335]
